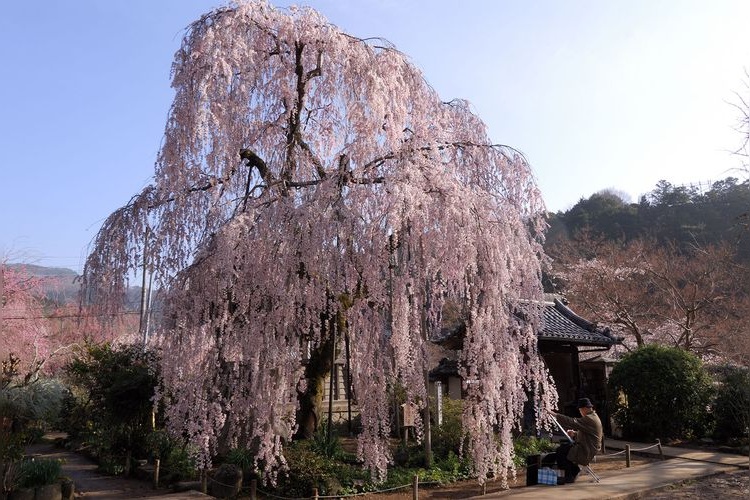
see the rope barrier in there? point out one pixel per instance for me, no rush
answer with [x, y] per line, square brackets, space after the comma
[606, 455]
[632, 449]
[647, 448]
[348, 495]
[220, 483]
[271, 495]
[627, 452]
[367, 492]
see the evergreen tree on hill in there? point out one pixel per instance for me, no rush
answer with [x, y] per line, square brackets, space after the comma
[669, 213]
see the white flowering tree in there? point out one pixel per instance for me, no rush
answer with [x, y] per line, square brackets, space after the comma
[312, 184]
[25, 339]
[689, 297]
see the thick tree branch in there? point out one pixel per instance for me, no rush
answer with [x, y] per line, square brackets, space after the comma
[253, 160]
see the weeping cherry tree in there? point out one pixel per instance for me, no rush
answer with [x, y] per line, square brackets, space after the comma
[311, 185]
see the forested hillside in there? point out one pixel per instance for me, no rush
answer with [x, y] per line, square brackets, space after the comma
[61, 286]
[668, 213]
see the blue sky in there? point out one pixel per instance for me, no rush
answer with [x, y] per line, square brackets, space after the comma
[615, 94]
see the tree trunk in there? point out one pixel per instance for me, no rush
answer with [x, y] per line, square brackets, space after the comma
[311, 401]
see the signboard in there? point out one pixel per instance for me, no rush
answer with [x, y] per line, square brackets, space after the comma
[410, 414]
[439, 401]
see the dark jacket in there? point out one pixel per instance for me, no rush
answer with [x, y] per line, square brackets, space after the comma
[589, 437]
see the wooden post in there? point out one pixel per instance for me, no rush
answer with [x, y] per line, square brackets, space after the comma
[427, 425]
[348, 384]
[157, 462]
[128, 455]
[332, 375]
[315, 493]
[204, 481]
[253, 489]
[661, 452]
[415, 488]
[627, 455]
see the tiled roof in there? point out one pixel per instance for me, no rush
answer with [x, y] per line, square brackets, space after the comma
[446, 367]
[559, 323]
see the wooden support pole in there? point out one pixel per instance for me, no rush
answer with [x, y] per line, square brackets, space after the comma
[157, 463]
[332, 378]
[661, 452]
[348, 391]
[253, 489]
[128, 460]
[415, 488]
[204, 481]
[315, 493]
[627, 455]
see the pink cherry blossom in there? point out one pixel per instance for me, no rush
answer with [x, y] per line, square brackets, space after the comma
[309, 176]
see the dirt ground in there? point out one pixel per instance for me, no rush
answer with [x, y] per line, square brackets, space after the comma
[730, 485]
[467, 489]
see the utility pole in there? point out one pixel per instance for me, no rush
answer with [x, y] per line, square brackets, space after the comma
[143, 323]
[2, 299]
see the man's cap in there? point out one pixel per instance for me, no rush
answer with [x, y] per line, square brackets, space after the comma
[585, 402]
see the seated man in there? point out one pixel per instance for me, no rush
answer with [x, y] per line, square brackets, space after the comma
[586, 432]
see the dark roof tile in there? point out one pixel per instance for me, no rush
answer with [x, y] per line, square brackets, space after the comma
[559, 323]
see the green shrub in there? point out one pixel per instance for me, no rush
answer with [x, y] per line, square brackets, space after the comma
[38, 472]
[12, 441]
[455, 467]
[159, 444]
[243, 459]
[111, 405]
[179, 465]
[111, 465]
[732, 404]
[330, 448]
[240, 457]
[307, 470]
[400, 476]
[410, 456]
[448, 437]
[118, 382]
[39, 402]
[176, 462]
[661, 392]
[524, 446]
[74, 414]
